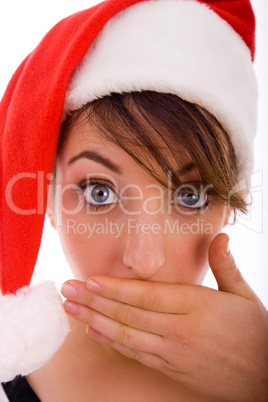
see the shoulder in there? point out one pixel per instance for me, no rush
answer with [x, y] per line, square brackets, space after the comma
[18, 390]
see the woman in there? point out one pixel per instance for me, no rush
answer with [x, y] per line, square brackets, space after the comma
[144, 181]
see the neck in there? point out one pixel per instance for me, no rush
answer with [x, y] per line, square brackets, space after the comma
[83, 366]
[83, 345]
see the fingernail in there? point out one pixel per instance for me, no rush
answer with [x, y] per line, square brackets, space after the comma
[91, 331]
[70, 307]
[68, 290]
[92, 285]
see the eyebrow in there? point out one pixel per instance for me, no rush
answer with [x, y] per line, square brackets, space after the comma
[96, 157]
[187, 168]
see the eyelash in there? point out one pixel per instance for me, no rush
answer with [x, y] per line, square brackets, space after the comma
[82, 186]
[198, 210]
[195, 210]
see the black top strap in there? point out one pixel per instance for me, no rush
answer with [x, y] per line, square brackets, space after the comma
[19, 390]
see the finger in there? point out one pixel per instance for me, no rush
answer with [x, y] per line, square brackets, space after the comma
[226, 273]
[147, 359]
[153, 296]
[115, 331]
[150, 321]
[76, 290]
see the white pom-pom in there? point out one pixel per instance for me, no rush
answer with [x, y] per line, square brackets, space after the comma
[33, 325]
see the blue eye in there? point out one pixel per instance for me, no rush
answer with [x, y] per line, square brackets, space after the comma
[99, 194]
[191, 200]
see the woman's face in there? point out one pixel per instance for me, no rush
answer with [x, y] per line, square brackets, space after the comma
[114, 218]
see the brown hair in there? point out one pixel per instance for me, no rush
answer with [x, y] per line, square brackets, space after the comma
[150, 126]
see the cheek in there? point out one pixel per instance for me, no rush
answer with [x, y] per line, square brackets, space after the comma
[200, 257]
[91, 249]
[189, 250]
[189, 258]
[88, 247]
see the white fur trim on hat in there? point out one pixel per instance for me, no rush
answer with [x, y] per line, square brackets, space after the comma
[33, 326]
[180, 47]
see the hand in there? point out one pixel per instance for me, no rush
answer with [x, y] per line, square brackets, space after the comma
[213, 341]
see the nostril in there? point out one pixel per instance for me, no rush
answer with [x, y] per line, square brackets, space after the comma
[144, 252]
[145, 264]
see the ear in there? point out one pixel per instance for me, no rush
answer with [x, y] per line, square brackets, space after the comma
[52, 220]
[228, 212]
[50, 206]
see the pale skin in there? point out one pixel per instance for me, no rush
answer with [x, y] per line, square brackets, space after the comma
[142, 326]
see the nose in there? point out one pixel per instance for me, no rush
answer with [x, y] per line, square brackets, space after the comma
[144, 248]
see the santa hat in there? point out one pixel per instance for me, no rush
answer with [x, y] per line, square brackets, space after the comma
[199, 50]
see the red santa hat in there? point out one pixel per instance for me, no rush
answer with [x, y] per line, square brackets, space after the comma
[199, 50]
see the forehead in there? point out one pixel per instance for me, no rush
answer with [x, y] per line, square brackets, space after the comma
[85, 135]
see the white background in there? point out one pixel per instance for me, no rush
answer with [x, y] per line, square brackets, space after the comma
[23, 24]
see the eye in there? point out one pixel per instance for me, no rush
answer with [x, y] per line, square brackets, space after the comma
[191, 198]
[99, 194]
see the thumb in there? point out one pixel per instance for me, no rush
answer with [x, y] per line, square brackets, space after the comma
[226, 273]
